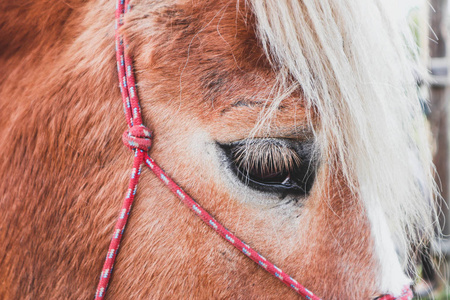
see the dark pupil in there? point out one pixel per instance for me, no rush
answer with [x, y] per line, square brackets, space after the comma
[266, 179]
[262, 175]
[269, 176]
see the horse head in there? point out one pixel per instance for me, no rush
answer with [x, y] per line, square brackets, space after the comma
[296, 124]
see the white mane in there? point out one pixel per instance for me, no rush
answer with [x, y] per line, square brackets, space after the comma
[355, 68]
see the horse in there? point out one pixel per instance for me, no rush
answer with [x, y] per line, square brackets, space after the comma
[295, 123]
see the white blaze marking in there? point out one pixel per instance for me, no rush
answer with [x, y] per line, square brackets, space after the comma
[392, 278]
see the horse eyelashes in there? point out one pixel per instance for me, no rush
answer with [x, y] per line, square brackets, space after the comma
[265, 158]
[278, 166]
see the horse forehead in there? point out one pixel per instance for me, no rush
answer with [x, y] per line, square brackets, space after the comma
[214, 41]
[218, 69]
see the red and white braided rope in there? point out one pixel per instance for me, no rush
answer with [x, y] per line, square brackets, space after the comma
[138, 138]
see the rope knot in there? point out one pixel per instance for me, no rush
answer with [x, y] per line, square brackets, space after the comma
[137, 137]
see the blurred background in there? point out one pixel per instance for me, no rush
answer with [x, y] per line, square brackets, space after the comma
[429, 21]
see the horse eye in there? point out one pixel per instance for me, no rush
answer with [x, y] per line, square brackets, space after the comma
[272, 165]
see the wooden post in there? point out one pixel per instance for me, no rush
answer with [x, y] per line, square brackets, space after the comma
[438, 103]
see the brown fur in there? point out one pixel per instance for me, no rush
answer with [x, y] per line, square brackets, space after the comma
[202, 77]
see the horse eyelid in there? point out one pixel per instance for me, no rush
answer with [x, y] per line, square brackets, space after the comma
[246, 159]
